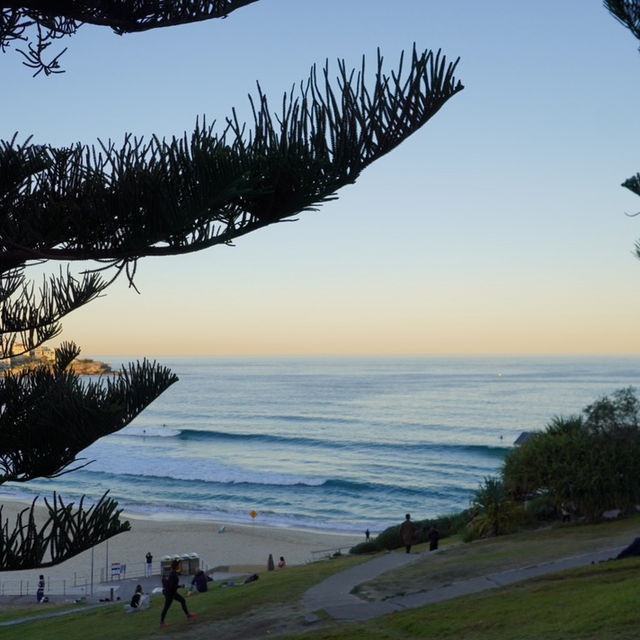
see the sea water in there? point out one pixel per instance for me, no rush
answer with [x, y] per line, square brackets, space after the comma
[341, 444]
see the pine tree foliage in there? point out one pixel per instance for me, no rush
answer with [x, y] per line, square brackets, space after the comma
[158, 198]
[65, 533]
[633, 184]
[39, 23]
[108, 206]
[628, 13]
[50, 414]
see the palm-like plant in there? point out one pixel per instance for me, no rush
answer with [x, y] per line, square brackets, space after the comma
[496, 513]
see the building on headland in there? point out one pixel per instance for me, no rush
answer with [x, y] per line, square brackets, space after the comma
[23, 356]
[27, 358]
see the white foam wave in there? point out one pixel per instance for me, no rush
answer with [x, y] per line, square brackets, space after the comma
[196, 469]
[152, 432]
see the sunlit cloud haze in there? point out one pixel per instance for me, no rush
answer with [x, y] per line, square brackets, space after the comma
[499, 228]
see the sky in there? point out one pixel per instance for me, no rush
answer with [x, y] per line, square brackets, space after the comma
[500, 227]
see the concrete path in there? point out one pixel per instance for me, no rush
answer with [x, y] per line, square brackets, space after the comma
[334, 596]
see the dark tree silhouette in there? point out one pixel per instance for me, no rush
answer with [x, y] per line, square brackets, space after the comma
[114, 205]
[37, 24]
[628, 13]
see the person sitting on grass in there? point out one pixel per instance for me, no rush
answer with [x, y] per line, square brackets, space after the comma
[137, 597]
[171, 593]
[139, 601]
[200, 581]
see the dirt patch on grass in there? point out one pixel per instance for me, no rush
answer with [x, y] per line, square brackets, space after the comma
[269, 621]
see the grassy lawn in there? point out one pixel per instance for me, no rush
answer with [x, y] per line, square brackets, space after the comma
[599, 601]
[13, 612]
[595, 603]
[241, 605]
[463, 561]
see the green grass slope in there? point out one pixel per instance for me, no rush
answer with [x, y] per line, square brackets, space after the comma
[598, 601]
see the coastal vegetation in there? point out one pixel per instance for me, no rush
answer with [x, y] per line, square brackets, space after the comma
[583, 468]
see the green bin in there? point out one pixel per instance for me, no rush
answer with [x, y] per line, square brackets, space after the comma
[194, 563]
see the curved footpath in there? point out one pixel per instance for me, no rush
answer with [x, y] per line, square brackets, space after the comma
[334, 596]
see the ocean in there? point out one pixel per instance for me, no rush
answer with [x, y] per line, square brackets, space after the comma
[339, 444]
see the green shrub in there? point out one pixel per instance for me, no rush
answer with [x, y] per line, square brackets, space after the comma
[590, 463]
[389, 539]
[496, 512]
[541, 509]
[366, 547]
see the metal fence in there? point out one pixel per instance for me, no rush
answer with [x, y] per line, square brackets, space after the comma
[78, 585]
[82, 585]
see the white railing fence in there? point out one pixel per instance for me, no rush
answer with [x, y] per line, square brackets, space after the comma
[80, 584]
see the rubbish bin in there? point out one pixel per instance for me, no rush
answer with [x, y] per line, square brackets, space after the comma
[194, 563]
[184, 564]
[165, 566]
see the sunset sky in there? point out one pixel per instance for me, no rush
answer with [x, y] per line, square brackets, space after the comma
[499, 228]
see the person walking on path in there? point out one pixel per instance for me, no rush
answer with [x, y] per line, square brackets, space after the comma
[434, 536]
[407, 532]
[148, 567]
[171, 593]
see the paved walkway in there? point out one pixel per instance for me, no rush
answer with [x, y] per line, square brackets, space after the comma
[334, 596]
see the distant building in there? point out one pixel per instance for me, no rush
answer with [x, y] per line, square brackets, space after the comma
[44, 353]
[21, 355]
[524, 436]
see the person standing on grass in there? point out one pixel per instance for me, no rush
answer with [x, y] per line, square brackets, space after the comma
[407, 532]
[434, 536]
[171, 593]
[40, 591]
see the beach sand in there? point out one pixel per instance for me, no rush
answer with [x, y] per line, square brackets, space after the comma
[239, 548]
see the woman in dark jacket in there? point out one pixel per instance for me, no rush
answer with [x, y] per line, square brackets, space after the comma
[171, 593]
[200, 581]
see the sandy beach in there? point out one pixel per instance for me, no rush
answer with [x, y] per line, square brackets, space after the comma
[217, 544]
